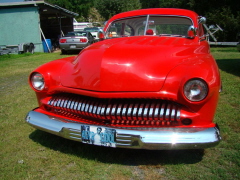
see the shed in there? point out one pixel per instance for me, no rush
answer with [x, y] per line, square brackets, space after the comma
[33, 21]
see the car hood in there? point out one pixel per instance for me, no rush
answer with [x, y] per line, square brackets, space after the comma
[126, 64]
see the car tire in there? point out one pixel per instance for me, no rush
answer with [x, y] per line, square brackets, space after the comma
[63, 51]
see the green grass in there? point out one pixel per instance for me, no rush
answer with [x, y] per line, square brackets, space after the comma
[27, 153]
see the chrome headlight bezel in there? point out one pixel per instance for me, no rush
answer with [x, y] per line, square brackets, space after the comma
[195, 90]
[37, 81]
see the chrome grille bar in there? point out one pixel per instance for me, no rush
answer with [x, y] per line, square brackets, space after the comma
[116, 111]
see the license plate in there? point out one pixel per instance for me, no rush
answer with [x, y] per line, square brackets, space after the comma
[100, 136]
[72, 46]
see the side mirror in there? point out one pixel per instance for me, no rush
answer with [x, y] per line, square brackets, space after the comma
[202, 20]
[191, 32]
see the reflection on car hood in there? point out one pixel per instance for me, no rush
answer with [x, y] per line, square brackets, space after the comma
[126, 64]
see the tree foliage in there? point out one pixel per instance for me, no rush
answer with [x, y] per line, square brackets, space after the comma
[108, 8]
[82, 7]
[225, 13]
[94, 16]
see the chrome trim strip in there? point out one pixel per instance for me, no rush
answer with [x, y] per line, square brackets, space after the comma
[135, 138]
[134, 114]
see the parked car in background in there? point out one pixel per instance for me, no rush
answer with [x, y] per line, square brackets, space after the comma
[151, 83]
[95, 31]
[76, 40]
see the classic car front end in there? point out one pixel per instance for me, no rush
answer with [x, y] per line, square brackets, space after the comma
[133, 89]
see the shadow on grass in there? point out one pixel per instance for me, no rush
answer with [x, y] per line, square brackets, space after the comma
[231, 66]
[72, 52]
[132, 157]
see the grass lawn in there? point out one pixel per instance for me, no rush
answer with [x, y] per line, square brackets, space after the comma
[27, 153]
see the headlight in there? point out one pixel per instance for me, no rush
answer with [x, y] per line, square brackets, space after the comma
[195, 90]
[37, 81]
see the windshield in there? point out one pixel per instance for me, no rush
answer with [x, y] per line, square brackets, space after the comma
[149, 25]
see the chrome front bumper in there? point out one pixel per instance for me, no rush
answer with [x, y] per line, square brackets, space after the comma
[135, 138]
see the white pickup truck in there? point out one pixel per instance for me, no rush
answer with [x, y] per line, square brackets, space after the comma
[94, 31]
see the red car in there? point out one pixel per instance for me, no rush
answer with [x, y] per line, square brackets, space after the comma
[150, 83]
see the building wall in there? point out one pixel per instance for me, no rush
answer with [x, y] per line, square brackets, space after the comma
[20, 25]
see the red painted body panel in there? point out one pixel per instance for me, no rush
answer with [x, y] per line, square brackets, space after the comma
[147, 67]
[128, 64]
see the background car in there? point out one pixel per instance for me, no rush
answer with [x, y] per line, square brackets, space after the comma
[76, 40]
[95, 31]
[150, 84]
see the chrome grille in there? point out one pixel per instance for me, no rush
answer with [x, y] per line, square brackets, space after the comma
[133, 112]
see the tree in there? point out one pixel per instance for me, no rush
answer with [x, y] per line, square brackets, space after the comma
[225, 13]
[108, 8]
[94, 16]
[82, 7]
[186, 4]
[222, 12]
[150, 3]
